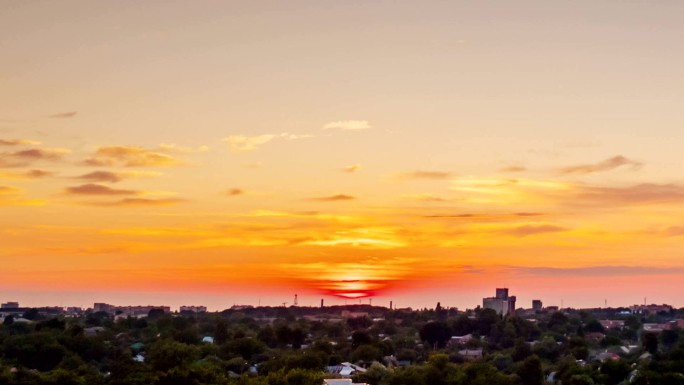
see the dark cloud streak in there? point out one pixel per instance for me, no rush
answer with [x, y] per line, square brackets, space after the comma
[98, 189]
[605, 165]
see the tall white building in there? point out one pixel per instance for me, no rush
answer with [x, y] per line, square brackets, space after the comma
[502, 304]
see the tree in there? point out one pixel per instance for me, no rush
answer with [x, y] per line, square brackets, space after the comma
[295, 377]
[650, 342]
[309, 360]
[594, 326]
[530, 372]
[39, 351]
[558, 322]
[155, 313]
[268, 336]
[177, 376]
[374, 375]
[97, 318]
[633, 323]
[485, 374]
[440, 312]
[357, 323]
[580, 379]
[283, 334]
[669, 338]
[462, 325]
[245, 347]
[487, 319]
[221, 331]
[165, 355]
[31, 314]
[521, 350]
[578, 347]
[502, 361]
[366, 353]
[547, 349]
[360, 338]
[615, 371]
[436, 334]
[298, 337]
[436, 369]
[411, 375]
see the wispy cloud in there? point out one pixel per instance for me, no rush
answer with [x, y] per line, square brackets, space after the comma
[528, 214]
[37, 153]
[131, 156]
[527, 230]
[348, 125]
[98, 189]
[63, 115]
[9, 190]
[17, 142]
[505, 192]
[235, 192]
[429, 175]
[335, 198]
[604, 165]
[352, 169]
[36, 174]
[28, 156]
[244, 143]
[427, 197]
[673, 231]
[600, 271]
[513, 169]
[480, 216]
[455, 216]
[30, 174]
[356, 242]
[140, 202]
[641, 193]
[171, 148]
[101, 176]
[115, 177]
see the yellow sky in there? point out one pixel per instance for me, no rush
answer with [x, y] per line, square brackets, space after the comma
[231, 152]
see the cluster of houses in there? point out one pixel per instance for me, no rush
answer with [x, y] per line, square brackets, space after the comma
[17, 311]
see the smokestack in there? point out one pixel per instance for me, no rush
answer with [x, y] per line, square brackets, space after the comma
[295, 301]
[390, 305]
[321, 302]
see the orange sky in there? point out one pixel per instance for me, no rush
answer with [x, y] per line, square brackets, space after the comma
[224, 152]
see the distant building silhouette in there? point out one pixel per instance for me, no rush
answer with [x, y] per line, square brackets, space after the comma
[503, 304]
[10, 305]
[128, 310]
[537, 305]
[196, 309]
[502, 293]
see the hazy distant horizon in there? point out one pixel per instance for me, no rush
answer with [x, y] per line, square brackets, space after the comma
[415, 301]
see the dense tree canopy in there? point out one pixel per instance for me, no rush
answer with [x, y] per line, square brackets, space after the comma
[281, 346]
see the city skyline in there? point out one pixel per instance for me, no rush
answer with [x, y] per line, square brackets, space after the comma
[245, 152]
[502, 303]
